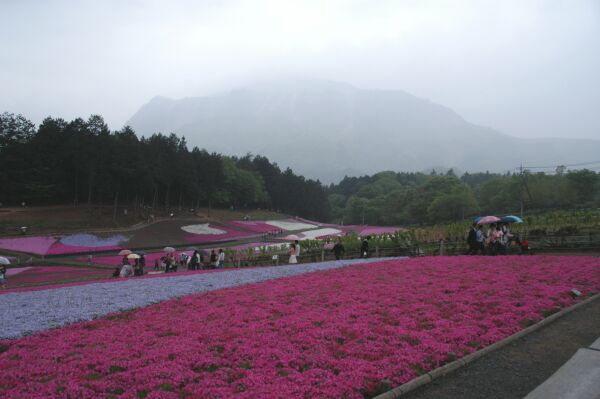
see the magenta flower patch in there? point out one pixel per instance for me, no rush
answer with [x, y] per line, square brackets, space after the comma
[255, 226]
[330, 334]
[33, 245]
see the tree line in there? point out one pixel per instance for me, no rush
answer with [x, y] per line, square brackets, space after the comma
[417, 198]
[84, 163]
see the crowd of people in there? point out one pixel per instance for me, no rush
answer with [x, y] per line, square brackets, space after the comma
[202, 260]
[496, 241]
[171, 262]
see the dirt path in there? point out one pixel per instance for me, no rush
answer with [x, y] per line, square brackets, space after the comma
[516, 369]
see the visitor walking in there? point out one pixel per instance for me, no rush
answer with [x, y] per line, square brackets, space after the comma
[3, 275]
[339, 250]
[479, 240]
[364, 248]
[297, 250]
[213, 259]
[472, 240]
[182, 259]
[194, 261]
[221, 259]
[293, 258]
[491, 240]
[126, 270]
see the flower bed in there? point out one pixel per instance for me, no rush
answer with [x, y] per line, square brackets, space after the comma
[209, 238]
[49, 275]
[344, 333]
[255, 226]
[61, 249]
[203, 229]
[70, 244]
[93, 241]
[34, 245]
[375, 230]
[290, 225]
[313, 234]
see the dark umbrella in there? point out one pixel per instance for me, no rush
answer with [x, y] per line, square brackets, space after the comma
[511, 219]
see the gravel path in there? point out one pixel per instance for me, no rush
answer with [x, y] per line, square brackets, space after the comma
[27, 312]
[516, 369]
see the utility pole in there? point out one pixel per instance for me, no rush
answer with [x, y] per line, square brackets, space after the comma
[521, 171]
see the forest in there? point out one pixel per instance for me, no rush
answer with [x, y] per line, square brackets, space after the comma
[83, 162]
[418, 198]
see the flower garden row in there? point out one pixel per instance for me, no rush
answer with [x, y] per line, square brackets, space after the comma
[342, 333]
[49, 275]
[187, 234]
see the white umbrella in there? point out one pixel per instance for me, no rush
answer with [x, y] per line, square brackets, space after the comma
[133, 256]
[4, 261]
[169, 249]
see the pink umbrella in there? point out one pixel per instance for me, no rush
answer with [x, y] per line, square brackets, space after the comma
[488, 220]
[124, 252]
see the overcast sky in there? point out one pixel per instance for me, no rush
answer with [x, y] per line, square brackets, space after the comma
[526, 67]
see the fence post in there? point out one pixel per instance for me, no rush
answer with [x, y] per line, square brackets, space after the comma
[322, 254]
[442, 247]
[377, 251]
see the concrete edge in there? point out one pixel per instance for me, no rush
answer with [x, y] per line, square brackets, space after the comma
[452, 366]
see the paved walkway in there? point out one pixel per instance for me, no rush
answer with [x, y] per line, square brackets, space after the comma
[27, 312]
[518, 368]
[579, 378]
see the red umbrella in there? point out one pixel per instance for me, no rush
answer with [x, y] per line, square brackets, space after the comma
[488, 220]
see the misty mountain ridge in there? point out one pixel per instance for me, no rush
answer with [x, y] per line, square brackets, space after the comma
[328, 130]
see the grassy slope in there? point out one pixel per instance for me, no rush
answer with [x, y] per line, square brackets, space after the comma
[64, 219]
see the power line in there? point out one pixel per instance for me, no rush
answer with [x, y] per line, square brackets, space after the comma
[554, 166]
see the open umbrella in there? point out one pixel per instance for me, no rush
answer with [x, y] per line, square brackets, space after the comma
[124, 252]
[511, 219]
[133, 256]
[169, 249]
[488, 220]
[292, 237]
[4, 261]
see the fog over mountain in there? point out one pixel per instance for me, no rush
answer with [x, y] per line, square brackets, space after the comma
[327, 130]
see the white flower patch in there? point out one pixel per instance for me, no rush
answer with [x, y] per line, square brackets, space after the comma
[203, 229]
[290, 225]
[312, 234]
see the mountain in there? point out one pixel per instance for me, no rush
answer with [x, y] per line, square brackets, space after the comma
[326, 130]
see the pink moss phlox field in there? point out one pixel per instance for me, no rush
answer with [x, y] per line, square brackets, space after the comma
[208, 238]
[375, 230]
[35, 245]
[46, 275]
[254, 226]
[330, 334]
[61, 249]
